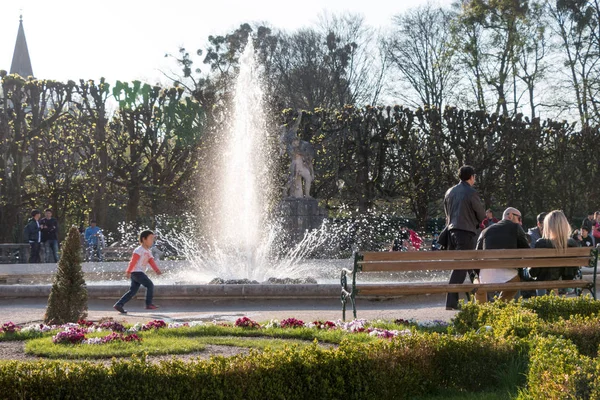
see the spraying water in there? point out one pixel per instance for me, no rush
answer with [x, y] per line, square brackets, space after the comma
[245, 184]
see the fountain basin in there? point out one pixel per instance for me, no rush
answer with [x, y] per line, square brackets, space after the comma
[182, 292]
[179, 273]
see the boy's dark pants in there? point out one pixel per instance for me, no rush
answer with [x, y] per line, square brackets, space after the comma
[137, 279]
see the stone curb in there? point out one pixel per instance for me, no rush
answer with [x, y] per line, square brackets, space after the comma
[261, 291]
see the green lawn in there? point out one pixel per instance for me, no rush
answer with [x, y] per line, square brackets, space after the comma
[150, 344]
[153, 343]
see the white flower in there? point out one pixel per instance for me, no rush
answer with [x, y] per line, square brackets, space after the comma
[274, 323]
[92, 341]
[195, 323]
[175, 325]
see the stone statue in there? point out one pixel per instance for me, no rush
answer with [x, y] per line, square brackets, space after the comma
[302, 154]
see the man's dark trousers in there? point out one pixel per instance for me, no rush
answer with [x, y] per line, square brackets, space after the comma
[459, 240]
[34, 255]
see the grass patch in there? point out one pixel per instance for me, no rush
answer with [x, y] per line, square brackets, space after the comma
[254, 343]
[150, 344]
[154, 343]
[19, 336]
[334, 336]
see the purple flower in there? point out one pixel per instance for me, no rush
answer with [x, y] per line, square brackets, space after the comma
[246, 322]
[156, 324]
[292, 323]
[70, 335]
[9, 327]
[113, 326]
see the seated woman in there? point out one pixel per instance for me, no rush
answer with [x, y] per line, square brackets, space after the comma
[556, 235]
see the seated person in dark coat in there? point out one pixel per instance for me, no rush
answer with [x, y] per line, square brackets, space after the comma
[506, 234]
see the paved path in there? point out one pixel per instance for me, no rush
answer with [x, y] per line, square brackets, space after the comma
[419, 307]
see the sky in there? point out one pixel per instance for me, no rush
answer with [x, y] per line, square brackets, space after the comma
[128, 39]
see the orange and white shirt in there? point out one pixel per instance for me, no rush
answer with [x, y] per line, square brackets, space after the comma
[141, 259]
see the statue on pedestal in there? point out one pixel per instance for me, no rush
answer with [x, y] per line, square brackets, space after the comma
[302, 154]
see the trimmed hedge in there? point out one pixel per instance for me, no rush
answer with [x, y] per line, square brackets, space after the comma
[474, 316]
[558, 371]
[396, 369]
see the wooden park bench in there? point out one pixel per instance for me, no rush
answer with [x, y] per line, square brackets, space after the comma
[462, 260]
[114, 253]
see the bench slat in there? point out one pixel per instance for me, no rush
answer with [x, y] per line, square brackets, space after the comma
[423, 288]
[473, 254]
[472, 264]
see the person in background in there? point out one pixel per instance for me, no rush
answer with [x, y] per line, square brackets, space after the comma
[434, 242]
[401, 241]
[586, 239]
[589, 222]
[49, 226]
[536, 233]
[489, 220]
[596, 226]
[415, 240]
[33, 235]
[557, 236]
[464, 211]
[93, 239]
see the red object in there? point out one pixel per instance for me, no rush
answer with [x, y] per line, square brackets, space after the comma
[415, 239]
[484, 225]
[596, 231]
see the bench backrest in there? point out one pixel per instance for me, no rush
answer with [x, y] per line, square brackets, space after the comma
[473, 259]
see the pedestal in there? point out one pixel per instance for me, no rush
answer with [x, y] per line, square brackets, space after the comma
[299, 215]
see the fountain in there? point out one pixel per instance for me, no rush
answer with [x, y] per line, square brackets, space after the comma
[243, 243]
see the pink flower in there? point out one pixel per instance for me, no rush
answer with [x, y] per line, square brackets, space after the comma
[9, 327]
[71, 335]
[113, 326]
[292, 323]
[156, 324]
[246, 322]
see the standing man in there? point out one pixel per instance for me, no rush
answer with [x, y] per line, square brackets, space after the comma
[49, 226]
[489, 219]
[536, 233]
[464, 211]
[33, 235]
[506, 234]
[589, 222]
[93, 238]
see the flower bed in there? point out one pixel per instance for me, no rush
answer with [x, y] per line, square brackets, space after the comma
[385, 359]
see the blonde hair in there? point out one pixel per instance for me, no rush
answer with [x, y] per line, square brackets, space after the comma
[557, 229]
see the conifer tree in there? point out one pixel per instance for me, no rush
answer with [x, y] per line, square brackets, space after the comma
[68, 297]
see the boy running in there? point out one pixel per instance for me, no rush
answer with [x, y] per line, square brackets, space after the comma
[142, 257]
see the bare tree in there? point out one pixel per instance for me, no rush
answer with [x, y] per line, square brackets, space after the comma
[421, 50]
[576, 24]
[488, 37]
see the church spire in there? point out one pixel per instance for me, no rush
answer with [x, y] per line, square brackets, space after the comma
[21, 63]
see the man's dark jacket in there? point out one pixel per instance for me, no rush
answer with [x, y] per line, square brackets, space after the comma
[463, 207]
[32, 231]
[503, 235]
[50, 232]
[588, 224]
